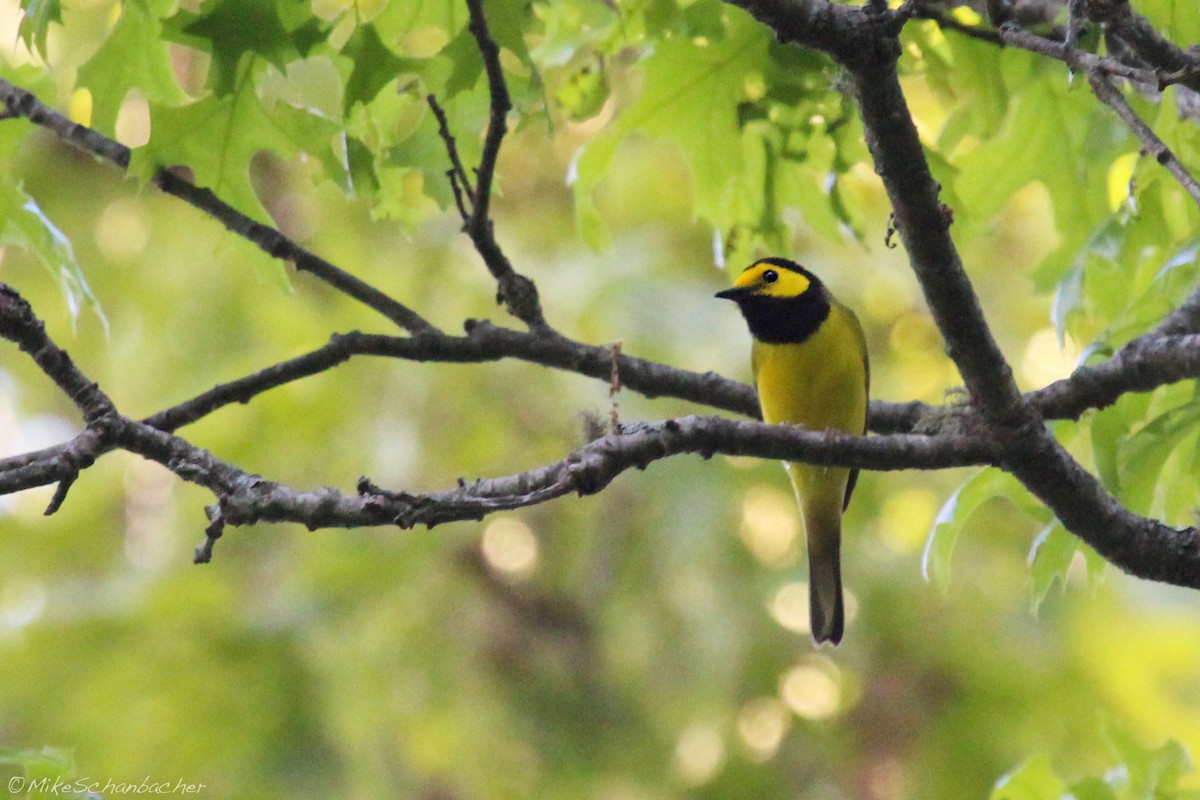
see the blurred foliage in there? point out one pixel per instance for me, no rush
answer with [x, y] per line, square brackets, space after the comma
[649, 642]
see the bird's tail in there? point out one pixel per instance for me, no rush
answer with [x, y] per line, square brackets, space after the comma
[824, 533]
[826, 612]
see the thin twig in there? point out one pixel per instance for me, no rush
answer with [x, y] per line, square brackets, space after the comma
[920, 10]
[1135, 32]
[518, 293]
[1153, 145]
[1074, 24]
[19, 102]
[1076, 59]
[19, 325]
[458, 174]
[499, 107]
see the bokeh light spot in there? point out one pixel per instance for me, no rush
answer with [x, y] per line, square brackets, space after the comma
[133, 120]
[699, 754]
[811, 692]
[906, 517]
[761, 724]
[1044, 361]
[770, 526]
[509, 546]
[789, 607]
[121, 232]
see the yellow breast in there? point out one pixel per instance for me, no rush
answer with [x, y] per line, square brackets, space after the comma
[820, 383]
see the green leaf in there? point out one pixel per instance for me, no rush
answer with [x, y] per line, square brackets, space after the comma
[55, 760]
[1050, 558]
[231, 29]
[571, 29]
[27, 227]
[507, 21]
[954, 514]
[1109, 428]
[1092, 788]
[133, 57]
[374, 66]
[218, 136]
[973, 78]
[1068, 298]
[422, 149]
[584, 92]
[1167, 285]
[35, 22]
[1046, 136]
[1143, 455]
[690, 97]
[1149, 772]
[1033, 780]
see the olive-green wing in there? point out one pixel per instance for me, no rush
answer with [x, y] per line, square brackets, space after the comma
[862, 342]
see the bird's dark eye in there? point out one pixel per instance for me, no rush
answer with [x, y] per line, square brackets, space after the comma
[770, 276]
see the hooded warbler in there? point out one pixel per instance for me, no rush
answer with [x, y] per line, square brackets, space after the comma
[809, 359]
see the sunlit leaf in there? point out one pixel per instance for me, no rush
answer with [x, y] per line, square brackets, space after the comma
[134, 56]
[1149, 772]
[690, 97]
[1119, 176]
[1033, 780]
[216, 138]
[1143, 455]
[35, 22]
[26, 226]
[956, 512]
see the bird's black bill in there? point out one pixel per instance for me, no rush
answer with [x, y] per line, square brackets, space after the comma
[735, 294]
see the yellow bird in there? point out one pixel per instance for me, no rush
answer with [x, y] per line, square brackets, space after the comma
[810, 367]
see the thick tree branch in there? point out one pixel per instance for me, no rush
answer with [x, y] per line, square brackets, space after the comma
[924, 227]
[1142, 547]
[1000, 427]
[1142, 365]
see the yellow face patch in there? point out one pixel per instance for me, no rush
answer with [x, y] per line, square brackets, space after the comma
[771, 280]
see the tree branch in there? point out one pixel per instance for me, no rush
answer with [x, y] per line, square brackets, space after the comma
[1000, 427]
[19, 325]
[518, 293]
[244, 499]
[1135, 31]
[1142, 365]
[930, 11]
[1154, 146]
